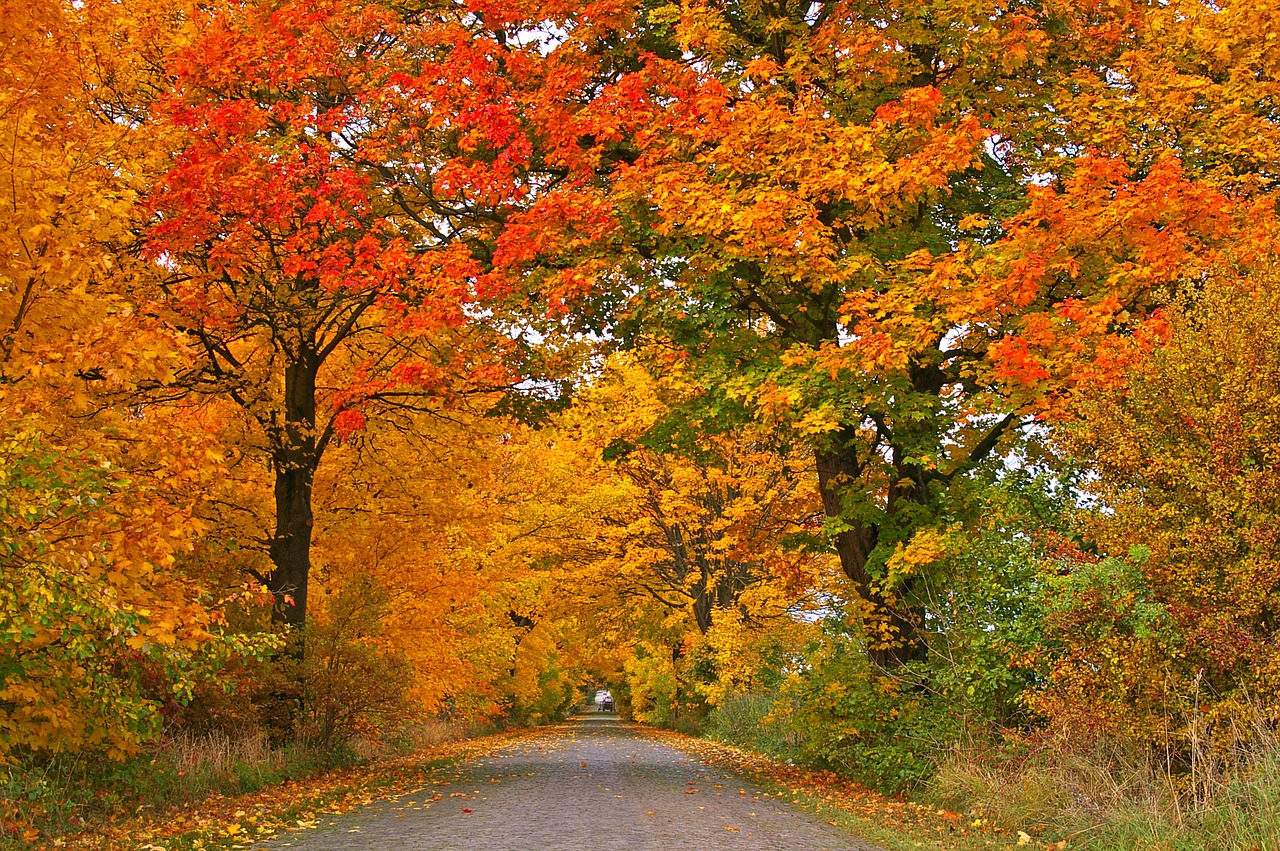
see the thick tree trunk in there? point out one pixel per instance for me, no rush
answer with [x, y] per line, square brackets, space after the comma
[294, 460]
[839, 469]
[291, 544]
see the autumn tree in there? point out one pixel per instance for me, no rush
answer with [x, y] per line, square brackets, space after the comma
[101, 625]
[1174, 631]
[100, 629]
[420, 509]
[330, 219]
[708, 519]
[66, 212]
[671, 566]
[868, 230]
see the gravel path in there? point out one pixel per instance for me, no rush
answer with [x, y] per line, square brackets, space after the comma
[592, 783]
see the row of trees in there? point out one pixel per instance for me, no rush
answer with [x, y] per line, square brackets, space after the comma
[715, 348]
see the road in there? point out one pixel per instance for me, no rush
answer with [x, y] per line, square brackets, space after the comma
[591, 783]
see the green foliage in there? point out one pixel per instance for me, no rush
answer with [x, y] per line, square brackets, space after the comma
[653, 687]
[1097, 600]
[859, 723]
[1112, 644]
[97, 634]
[667, 692]
[985, 594]
[555, 696]
[986, 631]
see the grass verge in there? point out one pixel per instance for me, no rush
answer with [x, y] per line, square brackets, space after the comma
[280, 793]
[1105, 795]
[892, 823]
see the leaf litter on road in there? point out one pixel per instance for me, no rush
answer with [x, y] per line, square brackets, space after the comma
[913, 825]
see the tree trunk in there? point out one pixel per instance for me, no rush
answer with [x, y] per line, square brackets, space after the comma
[294, 460]
[702, 606]
[291, 545]
[839, 469]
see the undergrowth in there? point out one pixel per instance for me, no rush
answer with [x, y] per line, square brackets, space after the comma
[67, 793]
[1104, 795]
[745, 720]
[1091, 793]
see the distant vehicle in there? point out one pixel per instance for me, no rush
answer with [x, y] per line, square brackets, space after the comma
[604, 701]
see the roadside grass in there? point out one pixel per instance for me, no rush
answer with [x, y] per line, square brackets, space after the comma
[1065, 792]
[213, 792]
[1106, 797]
[71, 793]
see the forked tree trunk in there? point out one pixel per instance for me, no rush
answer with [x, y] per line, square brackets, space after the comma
[838, 468]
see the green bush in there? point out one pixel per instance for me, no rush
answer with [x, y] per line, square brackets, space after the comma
[890, 729]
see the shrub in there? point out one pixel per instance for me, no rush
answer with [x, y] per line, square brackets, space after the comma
[652, 685]
[890, 729]
[853, 720]
[1185, 455]
[352, 683]
[99, 634]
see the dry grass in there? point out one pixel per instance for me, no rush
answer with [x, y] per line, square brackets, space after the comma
[218, 753]
[68, 793]
[1103, 794]
[416, 735]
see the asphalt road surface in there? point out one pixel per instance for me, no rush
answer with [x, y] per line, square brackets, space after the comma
[591, 784]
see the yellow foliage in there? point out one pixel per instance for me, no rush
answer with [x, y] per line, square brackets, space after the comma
[1176, 633]
[927, 546]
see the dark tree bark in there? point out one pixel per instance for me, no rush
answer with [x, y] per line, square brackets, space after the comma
[702, 606]
[839, 468]
[290, 548]
[294, 463]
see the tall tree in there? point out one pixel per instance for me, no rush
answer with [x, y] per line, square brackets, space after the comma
[873, 227]
[329, 222]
